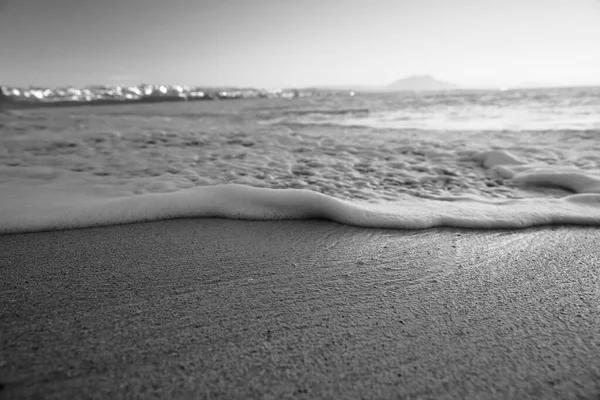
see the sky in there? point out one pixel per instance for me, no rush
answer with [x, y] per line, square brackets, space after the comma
[298, 43]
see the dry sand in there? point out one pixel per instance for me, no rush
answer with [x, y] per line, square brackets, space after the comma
[213, 308]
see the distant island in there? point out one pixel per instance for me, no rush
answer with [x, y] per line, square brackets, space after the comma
[415, 83]
[427, 83]
[419, 83]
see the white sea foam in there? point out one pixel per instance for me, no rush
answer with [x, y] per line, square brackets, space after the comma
[481, 120]
[49, 203]
[69, 168]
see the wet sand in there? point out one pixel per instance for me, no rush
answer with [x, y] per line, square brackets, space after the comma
[214, 308]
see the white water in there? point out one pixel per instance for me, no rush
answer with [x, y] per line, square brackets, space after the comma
[77, 168]
[24, 209]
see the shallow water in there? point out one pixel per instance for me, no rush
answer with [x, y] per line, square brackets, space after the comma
[409, 155]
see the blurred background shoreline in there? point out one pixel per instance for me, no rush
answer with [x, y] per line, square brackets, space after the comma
[418, 85]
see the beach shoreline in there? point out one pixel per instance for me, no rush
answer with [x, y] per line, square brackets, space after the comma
[216, 308]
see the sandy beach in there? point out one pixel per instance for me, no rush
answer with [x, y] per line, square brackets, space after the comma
[215, 308]
[299, 200]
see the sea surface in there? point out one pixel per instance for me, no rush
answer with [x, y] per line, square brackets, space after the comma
[481, 159]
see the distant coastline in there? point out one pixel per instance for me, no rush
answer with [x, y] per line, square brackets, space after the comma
[36, 97]
[15, 97]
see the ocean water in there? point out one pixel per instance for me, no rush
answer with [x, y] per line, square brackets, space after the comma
[495, 159]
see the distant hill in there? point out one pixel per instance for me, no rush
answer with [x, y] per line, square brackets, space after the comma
[418, 83]
[411, 83]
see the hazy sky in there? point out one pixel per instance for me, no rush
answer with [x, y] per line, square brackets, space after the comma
[275, 43]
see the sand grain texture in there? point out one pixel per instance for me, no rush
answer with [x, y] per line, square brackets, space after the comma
[212, 308]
